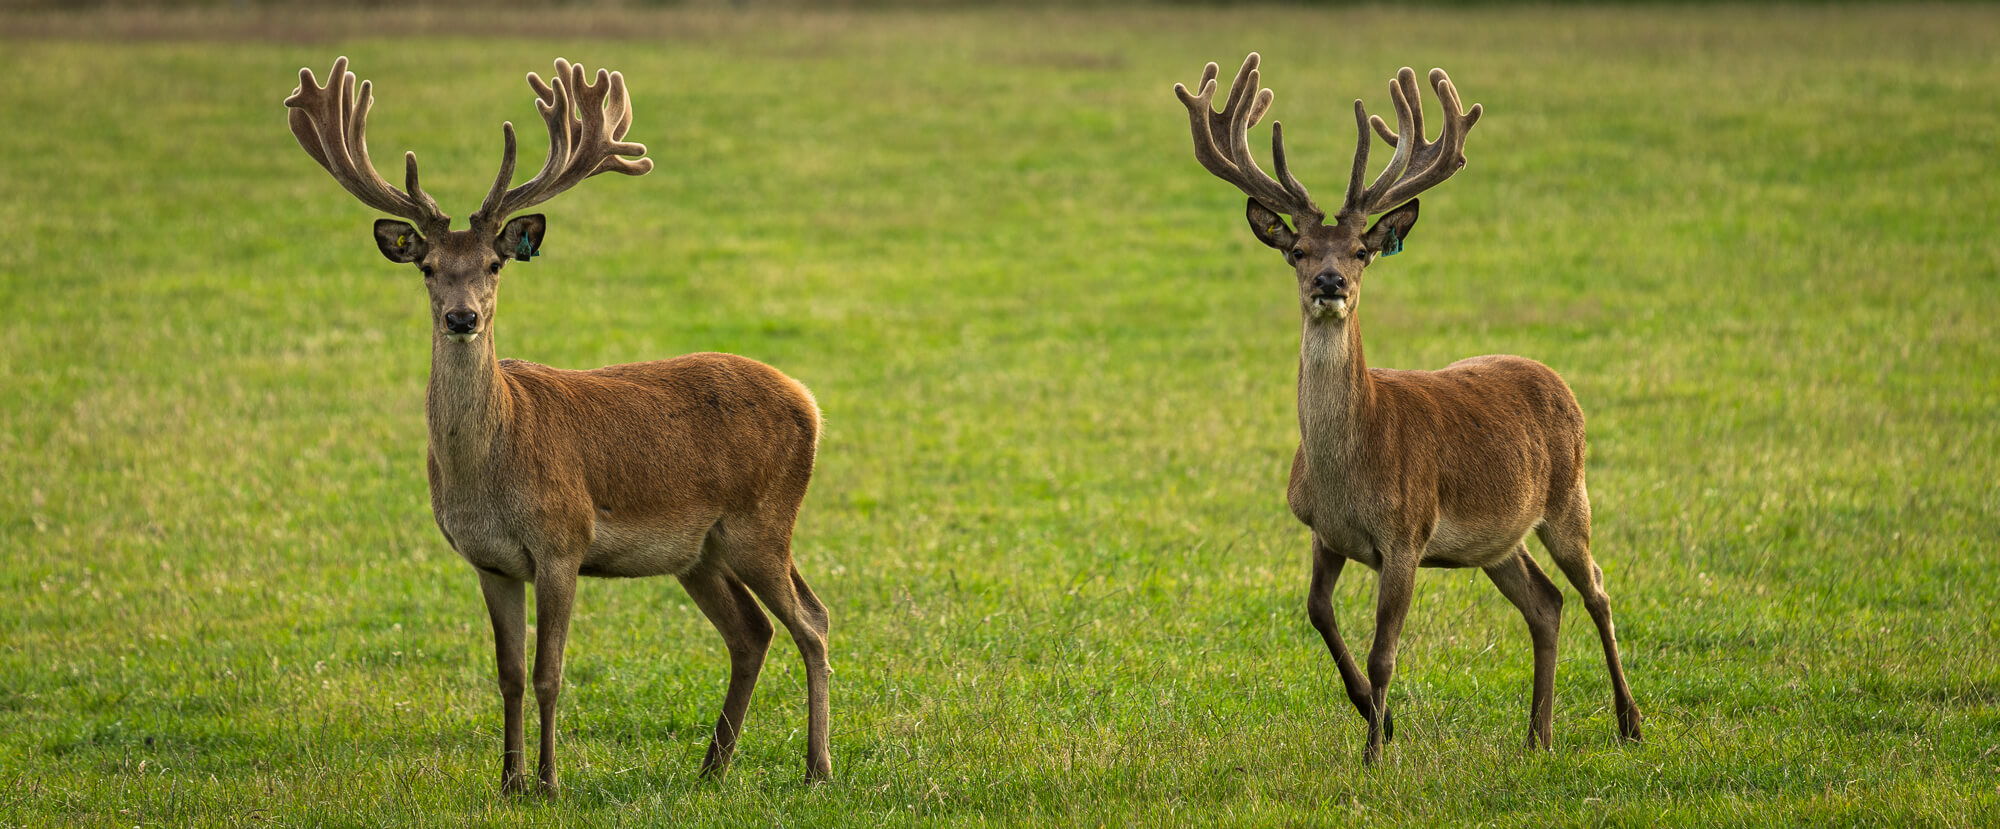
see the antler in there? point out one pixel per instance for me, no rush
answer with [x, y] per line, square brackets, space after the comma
[331, 123]
[1418, 165]
[579, 147]
[1231, 162]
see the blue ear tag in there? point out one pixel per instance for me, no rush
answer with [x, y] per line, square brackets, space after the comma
[525, 249]
[1395, 244]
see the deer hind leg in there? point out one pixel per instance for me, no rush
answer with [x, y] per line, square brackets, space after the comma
[777, 582]
[1326, 567]
[1567, 536]
[1540, 603]
[746, 632]
[506, 606]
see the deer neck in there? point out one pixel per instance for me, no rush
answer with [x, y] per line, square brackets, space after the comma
[1335, 391]
[467, 407]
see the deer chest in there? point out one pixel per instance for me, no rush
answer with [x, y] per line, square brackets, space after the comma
[1339, 521]
[476, 526]
[1345, 534]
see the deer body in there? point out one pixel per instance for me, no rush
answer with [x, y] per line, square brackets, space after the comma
[693, 467]
[1400, 470]
[1388, 455]
[653, 462]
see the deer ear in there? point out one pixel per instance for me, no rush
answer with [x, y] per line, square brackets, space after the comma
[521, 238]
[1270, 229]
[1386, 237]
[399, 241]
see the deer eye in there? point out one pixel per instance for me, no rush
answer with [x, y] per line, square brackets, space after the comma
[428, 272]
[493, 269]
[1298, 253]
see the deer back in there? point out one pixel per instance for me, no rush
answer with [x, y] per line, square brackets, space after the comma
[702, 432]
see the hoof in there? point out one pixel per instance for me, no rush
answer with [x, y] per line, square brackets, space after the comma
[1628, 726]
[820, 772]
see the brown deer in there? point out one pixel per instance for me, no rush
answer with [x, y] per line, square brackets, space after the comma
[1405, 469]
[693, 467]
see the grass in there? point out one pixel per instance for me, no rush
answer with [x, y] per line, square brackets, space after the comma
[1057, 372]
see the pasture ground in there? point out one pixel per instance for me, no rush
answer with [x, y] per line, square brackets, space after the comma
[1058, 381]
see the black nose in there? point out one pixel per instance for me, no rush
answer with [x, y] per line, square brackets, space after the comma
[461, 322]
[1329, 283]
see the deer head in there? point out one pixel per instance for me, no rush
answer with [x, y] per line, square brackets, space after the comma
[1329, 258]
[462, 267]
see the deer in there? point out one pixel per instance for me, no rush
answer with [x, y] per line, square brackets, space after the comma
[1398, 470]
[693, 467]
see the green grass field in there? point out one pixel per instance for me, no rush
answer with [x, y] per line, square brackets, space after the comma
[1058, 380]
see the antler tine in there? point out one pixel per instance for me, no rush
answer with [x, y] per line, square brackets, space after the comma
[1230, 160]
[580, 145]
[331, 125]
[552, 101]
[1291, 184]
[1201, 114]
[1403, 92]
[616, 105]
[1352, 202]
[619, 114]
[491, 203]
[1440, 159]
[1418, 165]
[1409, 126]
[357, 144]
[1409, 130]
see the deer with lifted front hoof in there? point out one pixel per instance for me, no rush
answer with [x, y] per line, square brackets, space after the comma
[1400, 470]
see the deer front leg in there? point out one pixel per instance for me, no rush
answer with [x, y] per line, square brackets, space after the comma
[506, 605]
[1392, 602]
[555, 592]
[1326, 567]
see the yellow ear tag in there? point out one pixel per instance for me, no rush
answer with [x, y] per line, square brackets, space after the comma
[400, 237]
[1273, 230]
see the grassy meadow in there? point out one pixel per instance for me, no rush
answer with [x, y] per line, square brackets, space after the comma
[1057, 372]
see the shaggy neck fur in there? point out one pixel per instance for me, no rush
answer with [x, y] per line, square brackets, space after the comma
[1335, 390]
[468, 405]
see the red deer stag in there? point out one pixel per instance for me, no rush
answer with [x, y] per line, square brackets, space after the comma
[692, 467]
[1405, 469]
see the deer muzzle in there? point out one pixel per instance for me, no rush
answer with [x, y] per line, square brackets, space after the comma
[461, 325]
[1329, 295]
